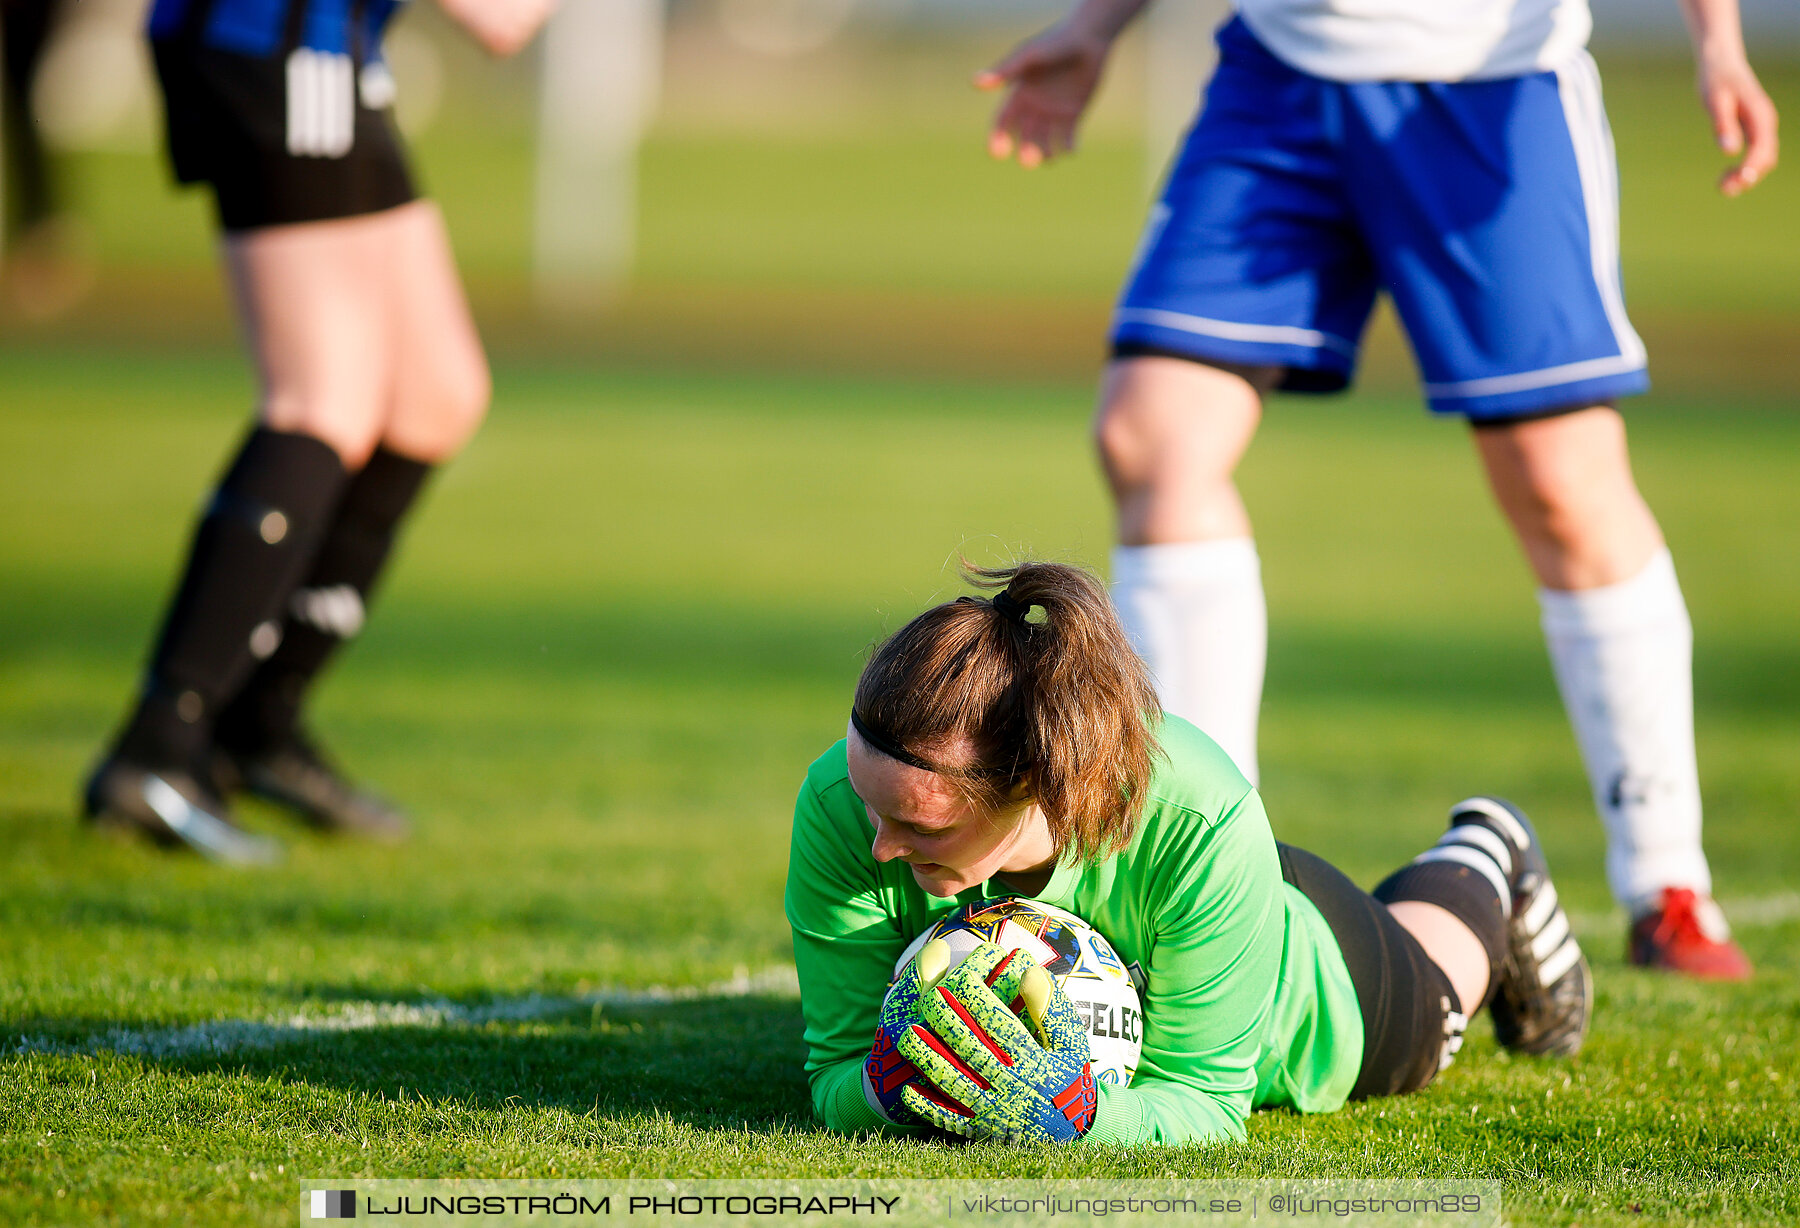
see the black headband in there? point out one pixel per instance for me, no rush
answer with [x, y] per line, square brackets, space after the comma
[893, 750]
[1008, 608]
[887, 746]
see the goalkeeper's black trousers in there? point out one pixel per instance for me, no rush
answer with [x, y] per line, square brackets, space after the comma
[1412, 1020]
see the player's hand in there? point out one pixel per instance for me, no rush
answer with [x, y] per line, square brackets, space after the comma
[1743, 117]
[990, 1076]
[501, 26]
[885, 1072]
[1052, 78]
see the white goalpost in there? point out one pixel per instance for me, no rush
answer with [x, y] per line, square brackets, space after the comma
[601, 73]
[602, 69]
[1178, 58]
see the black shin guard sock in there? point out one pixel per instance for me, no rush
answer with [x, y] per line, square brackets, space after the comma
[31, 195]
[1465, 894]
[258, 537]
[328, 606]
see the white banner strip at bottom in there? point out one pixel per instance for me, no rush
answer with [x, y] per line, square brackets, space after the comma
[1000, 1202]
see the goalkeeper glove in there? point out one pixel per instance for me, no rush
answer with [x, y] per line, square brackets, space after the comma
[885, 1072]
[989, 1076]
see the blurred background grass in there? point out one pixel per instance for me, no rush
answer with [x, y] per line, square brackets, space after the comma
[834, 209]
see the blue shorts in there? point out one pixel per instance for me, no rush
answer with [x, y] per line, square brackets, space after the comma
[1488, 210]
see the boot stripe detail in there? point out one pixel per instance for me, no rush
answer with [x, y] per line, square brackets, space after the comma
[1477, 861]
[203, 832]
[1546, 942]
[1488, 808]
[1484, 839]
[1552, 969]
[1541, 908]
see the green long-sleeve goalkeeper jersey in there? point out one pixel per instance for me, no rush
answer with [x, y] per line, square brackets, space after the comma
[1247, 1001]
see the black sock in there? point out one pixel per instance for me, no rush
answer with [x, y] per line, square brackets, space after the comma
[327, 607]
[255, 542]
[1466, 893]
[31, 195]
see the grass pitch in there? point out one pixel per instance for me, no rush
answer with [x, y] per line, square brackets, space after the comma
[624, 624]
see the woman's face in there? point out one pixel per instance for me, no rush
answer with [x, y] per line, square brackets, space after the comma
[924, 820]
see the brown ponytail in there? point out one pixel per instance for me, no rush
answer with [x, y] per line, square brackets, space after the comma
[1058, 708]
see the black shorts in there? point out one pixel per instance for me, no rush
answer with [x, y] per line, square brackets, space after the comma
[1412, 1022]
[284, 138]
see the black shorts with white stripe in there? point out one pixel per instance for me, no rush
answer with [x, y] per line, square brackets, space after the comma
[301, 136]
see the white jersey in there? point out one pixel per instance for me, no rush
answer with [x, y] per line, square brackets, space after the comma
[1420, 40]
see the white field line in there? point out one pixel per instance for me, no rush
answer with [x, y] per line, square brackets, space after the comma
[225, 1036]
[1744, 914]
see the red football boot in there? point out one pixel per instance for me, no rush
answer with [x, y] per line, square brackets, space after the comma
[1687, 933]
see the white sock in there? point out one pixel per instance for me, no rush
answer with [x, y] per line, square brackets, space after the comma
[1623, 656]
[1195, 612]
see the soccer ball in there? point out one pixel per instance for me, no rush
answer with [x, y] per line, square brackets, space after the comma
[1074, 954]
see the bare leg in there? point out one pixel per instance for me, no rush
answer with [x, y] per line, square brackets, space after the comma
[1452, 946]
[1171, 434]
[1186, 577]
[362, 334]
[441, 383]
[315, 301]
[1565, 485]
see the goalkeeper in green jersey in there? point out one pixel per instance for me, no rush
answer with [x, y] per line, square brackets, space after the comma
[1013, 745]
